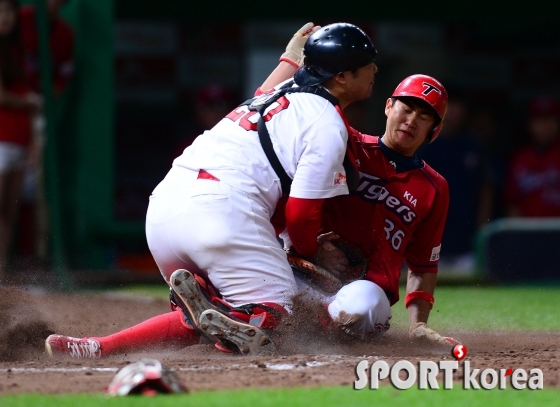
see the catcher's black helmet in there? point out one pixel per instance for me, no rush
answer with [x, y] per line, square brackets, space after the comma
[332, 49]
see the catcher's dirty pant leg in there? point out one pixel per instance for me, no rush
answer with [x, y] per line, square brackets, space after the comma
[361, 308]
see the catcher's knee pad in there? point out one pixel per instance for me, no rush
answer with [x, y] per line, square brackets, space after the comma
[360, 308]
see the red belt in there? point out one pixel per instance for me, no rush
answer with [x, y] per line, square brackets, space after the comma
[202, 174]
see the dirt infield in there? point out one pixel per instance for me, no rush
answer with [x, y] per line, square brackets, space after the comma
[308, 357]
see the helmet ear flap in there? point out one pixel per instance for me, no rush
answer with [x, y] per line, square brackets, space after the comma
[435, 131]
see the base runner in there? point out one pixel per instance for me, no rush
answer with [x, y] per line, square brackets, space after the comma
[396, 214]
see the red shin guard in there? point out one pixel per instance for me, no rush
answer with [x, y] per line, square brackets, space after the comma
[267, 315]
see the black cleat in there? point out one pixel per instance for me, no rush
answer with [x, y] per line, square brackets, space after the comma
[247, 339]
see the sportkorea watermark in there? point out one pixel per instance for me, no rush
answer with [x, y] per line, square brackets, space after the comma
[424, 374]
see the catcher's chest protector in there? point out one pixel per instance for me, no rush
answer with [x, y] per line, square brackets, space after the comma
[261, 103]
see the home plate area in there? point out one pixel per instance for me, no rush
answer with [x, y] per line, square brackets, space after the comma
[308, 356]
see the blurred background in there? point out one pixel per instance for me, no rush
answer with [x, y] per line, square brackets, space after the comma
[150, 76]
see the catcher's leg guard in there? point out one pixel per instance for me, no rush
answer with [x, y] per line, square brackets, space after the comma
[244, 329]
[191, 298]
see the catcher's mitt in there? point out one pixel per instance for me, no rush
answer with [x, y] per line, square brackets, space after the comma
[324, 279]
[147, 376]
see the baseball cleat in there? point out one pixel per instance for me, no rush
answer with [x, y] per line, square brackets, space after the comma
[246, 338]
[193, 299]
[66, 346]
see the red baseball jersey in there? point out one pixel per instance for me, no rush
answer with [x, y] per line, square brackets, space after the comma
[534, 182]
[15, 126]
[397, 213]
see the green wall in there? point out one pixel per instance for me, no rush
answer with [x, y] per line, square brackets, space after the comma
[79, 155]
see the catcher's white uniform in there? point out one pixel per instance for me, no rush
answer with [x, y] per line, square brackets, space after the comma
[221, 227]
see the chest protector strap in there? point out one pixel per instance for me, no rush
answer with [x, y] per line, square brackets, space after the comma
[261, 103]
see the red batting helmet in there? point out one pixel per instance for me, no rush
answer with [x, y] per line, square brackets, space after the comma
[430, 91]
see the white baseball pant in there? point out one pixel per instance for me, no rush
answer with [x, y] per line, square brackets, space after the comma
[12, 157]
[225, 234]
